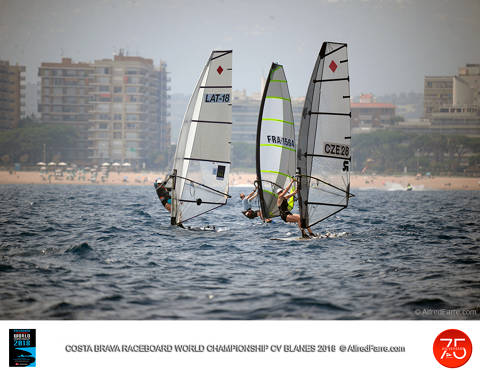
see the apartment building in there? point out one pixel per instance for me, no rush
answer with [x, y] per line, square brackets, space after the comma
[128, 120]
[438, 92]
[454, 100]
[12, 94]
[119, 107]
[64, 98]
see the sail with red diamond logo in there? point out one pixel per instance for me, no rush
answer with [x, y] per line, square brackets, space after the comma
[323, 150]
[199, 177]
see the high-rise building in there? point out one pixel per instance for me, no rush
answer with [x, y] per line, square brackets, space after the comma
[128, 121]
[64, 99]
[12, 94]
[119, 107]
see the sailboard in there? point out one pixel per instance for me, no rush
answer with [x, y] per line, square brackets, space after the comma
[275, 144]
[201, 166]
[324, 152]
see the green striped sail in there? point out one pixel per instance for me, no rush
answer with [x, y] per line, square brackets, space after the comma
[276, 149]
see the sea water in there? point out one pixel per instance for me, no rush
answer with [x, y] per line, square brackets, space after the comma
[108, 252]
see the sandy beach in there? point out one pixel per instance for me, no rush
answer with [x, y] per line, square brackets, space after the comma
[246, 179]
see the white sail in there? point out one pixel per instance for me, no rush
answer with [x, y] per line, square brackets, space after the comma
[276, 152]
[323, 153]
[202, 159]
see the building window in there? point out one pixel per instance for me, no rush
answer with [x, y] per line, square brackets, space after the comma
[117, 135]
[117, 89]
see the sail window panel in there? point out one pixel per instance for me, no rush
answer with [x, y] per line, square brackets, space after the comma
[217, 112]
[212, 143]
[205, 173]
[330, 170]
[332, 99]
[330, 129]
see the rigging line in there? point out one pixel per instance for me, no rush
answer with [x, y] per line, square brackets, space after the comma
[329, 192]
[332, 114]
[333, 79]
[205, 186]
[316, 222]
[271, 182]
[324, 182]
[205, 160]
[334, 50]
[327, 156]
[215, 87]
[344, 61]
[203, 202]
[219, 122]
[324, 204]
[208, 210]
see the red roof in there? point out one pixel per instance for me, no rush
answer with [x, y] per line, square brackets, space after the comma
[372, 105]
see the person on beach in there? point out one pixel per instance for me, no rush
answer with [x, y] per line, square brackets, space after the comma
[247, 205]
[285, 214]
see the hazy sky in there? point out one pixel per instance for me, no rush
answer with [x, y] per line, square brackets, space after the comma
[393, 44]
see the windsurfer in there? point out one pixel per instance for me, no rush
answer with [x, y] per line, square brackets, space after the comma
[163, 195]
[285, 214]
[247, 205]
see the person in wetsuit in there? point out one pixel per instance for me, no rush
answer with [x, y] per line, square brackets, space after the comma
[285, 214]
[247, 206]
[163, 195]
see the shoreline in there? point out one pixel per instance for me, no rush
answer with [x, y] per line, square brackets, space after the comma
[244, 179]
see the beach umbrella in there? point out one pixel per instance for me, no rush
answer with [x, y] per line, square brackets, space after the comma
[116, 164]
[52, 164]
[106, 164]
[126, 164]
[62, 164]
[41, 164]
[43, 168]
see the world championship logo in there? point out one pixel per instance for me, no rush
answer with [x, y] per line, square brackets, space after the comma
[22, 348]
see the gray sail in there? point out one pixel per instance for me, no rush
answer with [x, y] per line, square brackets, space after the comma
[276, 152]
[202, 160]
[323, 153]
